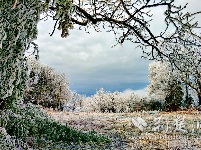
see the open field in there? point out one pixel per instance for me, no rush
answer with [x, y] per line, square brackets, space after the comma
[163, 130]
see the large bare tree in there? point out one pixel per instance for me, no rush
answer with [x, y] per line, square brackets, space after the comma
[128, 20]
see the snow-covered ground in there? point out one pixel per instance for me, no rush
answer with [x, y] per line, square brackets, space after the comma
[164, 130]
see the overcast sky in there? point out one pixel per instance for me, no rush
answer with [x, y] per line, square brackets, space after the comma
[90, 63]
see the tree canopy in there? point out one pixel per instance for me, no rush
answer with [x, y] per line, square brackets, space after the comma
[129, 20]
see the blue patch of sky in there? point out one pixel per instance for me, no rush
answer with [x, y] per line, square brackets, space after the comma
[90, 90]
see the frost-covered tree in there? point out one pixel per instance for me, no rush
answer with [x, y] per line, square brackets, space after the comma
[45, 86]
[131, 20]
[185, 57]
[161, 76]
[106, 101]
[165, 84]
[18, 29]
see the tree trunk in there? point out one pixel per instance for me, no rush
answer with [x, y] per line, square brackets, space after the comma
[12, 74]
[18, 29]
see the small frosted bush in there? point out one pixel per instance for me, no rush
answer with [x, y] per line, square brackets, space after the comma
[29, 126]
[18, 123]
[75, 102]
[115, 102]
[11, 142]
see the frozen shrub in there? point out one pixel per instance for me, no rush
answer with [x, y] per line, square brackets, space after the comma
[88, 105]
[115, 102]
[134, 102]
[9, 142]
[102, 101]
[105, 101]
[75, 102]
[19, 123]
[29, 126]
